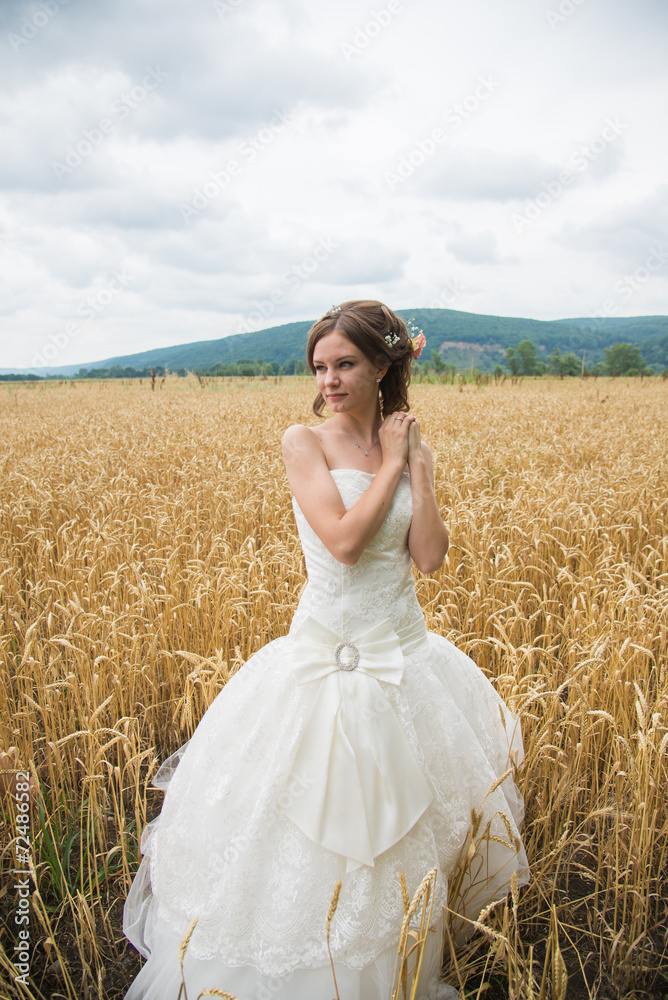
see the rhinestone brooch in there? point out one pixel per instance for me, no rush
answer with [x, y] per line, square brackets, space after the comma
[349, 664]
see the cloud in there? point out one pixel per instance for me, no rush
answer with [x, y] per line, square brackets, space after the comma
[193, 188]
[218, 75]
[483, 175]
[626, 235]
[474, 248]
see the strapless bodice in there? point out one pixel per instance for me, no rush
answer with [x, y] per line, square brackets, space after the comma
[349, 599]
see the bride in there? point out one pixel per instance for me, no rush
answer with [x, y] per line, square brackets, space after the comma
[353, 748]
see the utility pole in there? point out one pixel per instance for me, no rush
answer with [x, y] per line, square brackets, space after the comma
[584, 355]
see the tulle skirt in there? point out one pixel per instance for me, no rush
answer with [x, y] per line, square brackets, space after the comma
[225, 852]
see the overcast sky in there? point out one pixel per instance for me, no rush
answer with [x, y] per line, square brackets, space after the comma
[175, 171]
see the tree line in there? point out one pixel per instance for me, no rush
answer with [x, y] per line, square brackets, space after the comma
[522, 359]
[620, 359]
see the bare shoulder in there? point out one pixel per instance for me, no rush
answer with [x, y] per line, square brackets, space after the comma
[299, 444]
[308, 473]
[303, 455]
[298, 435]
[300, 441]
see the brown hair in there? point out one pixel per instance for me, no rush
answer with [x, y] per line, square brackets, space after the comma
[366, 323]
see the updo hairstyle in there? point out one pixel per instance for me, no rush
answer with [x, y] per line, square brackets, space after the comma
[366, 323]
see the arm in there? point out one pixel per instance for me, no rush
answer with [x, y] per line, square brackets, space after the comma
[344, 533]
[428, 539]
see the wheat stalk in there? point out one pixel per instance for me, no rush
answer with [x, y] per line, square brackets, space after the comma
[125, 538]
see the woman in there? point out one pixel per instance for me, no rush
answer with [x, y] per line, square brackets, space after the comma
[354, 748]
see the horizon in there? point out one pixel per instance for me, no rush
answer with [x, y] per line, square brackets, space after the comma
[47, 368]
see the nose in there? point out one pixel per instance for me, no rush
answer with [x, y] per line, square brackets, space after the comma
[331, 377]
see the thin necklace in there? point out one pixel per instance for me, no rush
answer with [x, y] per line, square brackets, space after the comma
[365, 450]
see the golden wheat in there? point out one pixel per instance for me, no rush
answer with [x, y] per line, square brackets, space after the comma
[148, 548]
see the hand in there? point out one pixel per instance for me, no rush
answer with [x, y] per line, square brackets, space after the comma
[414, 440]
[394, 436]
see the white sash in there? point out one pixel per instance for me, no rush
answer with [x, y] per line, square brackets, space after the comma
[355, 786]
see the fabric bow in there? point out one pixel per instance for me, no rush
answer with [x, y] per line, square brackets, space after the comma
[355, 786]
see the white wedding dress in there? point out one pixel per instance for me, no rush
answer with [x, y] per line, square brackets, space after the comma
[353, 748]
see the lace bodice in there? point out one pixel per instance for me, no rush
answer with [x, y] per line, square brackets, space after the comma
[349, 599]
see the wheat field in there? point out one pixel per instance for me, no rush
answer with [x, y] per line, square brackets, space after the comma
[148, 547]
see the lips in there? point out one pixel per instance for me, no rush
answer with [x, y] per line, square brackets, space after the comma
[336, 395]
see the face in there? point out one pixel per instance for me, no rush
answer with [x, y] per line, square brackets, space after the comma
[345, 376]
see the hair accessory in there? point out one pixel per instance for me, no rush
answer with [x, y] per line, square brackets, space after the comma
[417, 344]
[418, 339]
[334, 309]
[391, 339]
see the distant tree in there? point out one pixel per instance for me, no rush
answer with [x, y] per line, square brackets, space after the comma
[555, 362]
[249, 368]
[571, 364]
[292, 367]
[622, 359]
[560, 364]
[513, 363]
[437, 361]
[530, 362]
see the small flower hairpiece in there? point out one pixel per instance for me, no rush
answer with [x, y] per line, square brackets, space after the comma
[334, 309]
[417, 344]
[418, 339]
[391, 339]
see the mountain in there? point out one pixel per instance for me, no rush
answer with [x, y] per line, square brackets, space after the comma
[463, 339]
[279, 343]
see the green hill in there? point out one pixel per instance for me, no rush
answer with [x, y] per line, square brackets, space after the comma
[463, 339]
